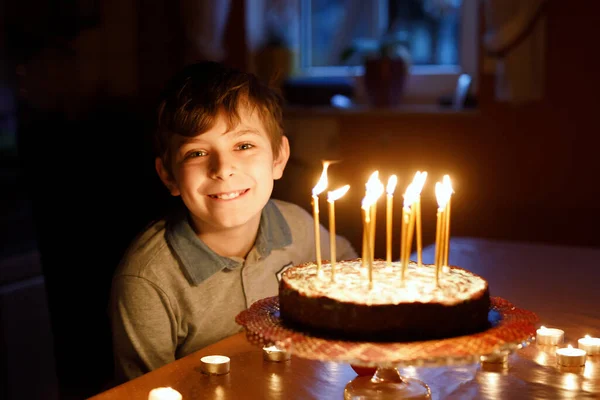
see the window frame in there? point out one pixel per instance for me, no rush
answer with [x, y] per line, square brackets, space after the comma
[427, 83]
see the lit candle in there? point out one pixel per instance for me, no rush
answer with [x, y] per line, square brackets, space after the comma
[214, 365]
[446, 182]
[549, 336]
[331, 198]
[391, 186]
[442, 194]
[591, 345]
[164, 393]
[319, 187]
[419, 180]
[274, 353]
[376, 188]
[372, 187]
[366, 205]
[570, 357]
[407, 226]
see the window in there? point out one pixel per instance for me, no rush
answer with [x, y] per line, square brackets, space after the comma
[441, 36]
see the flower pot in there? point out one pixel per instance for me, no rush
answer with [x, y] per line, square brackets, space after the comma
[384, 80]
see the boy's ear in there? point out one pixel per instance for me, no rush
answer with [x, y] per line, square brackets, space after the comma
[280, 162]
[165, 177]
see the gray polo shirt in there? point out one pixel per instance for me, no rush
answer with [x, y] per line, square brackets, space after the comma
[172, 295]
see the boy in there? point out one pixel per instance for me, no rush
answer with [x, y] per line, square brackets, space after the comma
[220, 146]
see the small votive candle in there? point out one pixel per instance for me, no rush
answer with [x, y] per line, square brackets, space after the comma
[214, 365]
[274, 353]
[164, 393]
[591, 345]
[570, 357]
[549, 336]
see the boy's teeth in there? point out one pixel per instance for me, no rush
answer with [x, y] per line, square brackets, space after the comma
[227, 196]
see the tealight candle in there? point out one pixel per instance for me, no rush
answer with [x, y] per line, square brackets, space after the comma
[591, 345]
[164, 393]
[549, 336]
[274, 353]
[570, 357]
[214, 365]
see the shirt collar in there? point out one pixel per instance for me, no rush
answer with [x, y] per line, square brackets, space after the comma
[200, 262]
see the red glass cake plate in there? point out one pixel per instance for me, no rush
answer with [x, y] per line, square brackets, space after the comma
[511, 328]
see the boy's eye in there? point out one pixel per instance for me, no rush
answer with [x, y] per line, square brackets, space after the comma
[197, 153]
[245, 146]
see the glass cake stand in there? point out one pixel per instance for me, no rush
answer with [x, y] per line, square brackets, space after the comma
[511, 328]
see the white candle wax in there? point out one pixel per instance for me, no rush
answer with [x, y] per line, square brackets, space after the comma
[214, 365]
[570, 356]
[549, 336]
[274, 353]
[591, 345]
[164, 393]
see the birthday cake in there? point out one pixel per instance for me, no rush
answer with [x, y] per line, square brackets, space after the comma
[391, 309]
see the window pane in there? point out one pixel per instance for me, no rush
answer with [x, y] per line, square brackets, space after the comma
[334, 25]
[431, 28]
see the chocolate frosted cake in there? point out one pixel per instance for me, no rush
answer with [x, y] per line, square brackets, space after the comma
[391, 310]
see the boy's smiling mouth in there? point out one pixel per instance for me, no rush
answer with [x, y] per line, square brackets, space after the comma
[228, 195]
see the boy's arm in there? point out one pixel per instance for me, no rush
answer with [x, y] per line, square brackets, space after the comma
[144, 335]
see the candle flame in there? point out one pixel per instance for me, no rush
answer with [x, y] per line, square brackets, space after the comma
[391, 185]
[419, 181]
[410, 195]
[543, 328]
[442, 194]
[588, 337]
[370, 197]
[336, 194]
[271, 348]
[372, 182]
[446, 181]
[322, 184]
[569, 347]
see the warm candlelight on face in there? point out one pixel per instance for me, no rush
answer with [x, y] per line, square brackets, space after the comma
[318, 189]
[331, 198]
[274, 353]
[591, 345]
[214, 365]
[570, 356]
[164, 393]
[549, 336]
[391, 186]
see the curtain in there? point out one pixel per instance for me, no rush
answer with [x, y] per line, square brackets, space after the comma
[515, 45]
[204, 25]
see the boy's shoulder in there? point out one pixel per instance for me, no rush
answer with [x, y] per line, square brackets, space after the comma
[149, 248]
[292, 212]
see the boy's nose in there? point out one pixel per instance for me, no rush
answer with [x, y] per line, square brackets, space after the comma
[222, 167]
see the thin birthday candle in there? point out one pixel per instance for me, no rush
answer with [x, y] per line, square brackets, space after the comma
[367, 236]
[448, 184]
[366, 205]
[391, 186]
[419, 180]
[331, 198]
[319, 187]
[442, 195]
[378, 190]
[406, 243]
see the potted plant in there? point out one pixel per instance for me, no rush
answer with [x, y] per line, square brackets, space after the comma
[386, 64]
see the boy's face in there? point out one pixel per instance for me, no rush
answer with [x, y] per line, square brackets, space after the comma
[225, 176]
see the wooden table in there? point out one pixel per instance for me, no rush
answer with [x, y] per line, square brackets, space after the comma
[560, 284]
